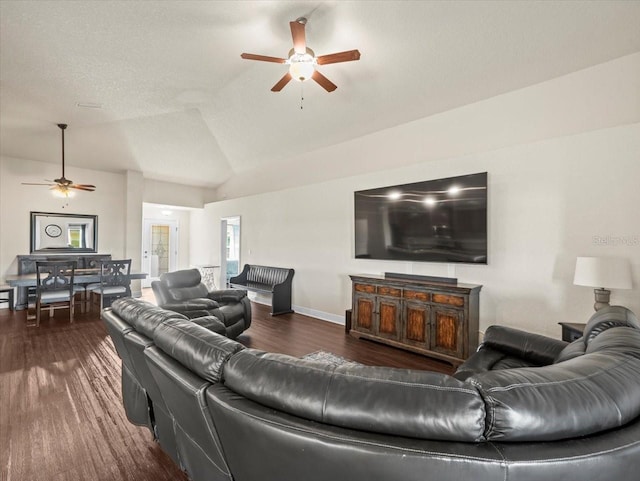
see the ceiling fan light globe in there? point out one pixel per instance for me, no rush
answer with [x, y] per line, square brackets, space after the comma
[301, 66]
[62, 191]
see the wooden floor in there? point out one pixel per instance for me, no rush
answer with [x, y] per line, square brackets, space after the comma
[61, 415]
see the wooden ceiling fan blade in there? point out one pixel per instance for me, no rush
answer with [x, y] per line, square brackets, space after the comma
[87, 187]
[324, 82]
[262, 58]
[347, 56]
[34, 183]
[281, 83]
[298, 35]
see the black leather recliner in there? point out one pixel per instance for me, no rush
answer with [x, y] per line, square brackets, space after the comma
[183, 291]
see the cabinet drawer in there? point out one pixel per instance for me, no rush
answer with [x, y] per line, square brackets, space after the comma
[389, 291]
[364, 288]
[417, 295]
[448, 299]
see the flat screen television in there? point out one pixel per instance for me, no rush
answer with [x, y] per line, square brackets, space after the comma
[443, 220]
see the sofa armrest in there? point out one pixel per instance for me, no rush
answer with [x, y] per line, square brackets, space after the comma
[227, 295]
[538, 349]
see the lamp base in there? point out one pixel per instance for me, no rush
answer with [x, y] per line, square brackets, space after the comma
[602, 298]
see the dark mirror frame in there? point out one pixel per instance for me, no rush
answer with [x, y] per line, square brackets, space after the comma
[35, 235]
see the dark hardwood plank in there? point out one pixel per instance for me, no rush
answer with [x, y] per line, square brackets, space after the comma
[61, 414]
[297, 335]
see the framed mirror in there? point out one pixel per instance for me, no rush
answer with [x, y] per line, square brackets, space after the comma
[51, 232]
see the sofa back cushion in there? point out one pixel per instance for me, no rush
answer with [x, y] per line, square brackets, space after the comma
[606, 318]
[142, 315]
[195, 347]
[594, 392]
[401, 402]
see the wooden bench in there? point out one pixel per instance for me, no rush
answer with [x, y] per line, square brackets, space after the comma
[275, 281]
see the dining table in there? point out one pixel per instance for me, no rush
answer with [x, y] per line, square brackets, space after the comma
[81, 276]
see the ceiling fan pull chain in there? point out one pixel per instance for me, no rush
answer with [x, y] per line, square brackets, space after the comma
[301, 95]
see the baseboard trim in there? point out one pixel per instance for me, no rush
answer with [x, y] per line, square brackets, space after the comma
[323, 316]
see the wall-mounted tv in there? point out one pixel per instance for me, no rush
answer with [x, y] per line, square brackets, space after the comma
[443, 220]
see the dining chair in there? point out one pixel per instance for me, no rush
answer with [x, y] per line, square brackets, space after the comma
[7, 291]
[55, 288]
[114, 282]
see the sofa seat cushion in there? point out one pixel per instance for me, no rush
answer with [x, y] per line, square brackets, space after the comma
[212, 323]
[573, 398]
[198, 303]
[227, 295]
[232, 313]
[488, 359]
[401, 402]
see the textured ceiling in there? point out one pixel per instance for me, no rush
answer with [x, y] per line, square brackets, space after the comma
[179, 104]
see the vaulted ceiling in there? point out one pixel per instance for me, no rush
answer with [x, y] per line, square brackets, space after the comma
[177, 102]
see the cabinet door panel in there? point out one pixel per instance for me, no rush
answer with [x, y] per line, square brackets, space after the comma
[363, 313]
[388, 318]
[447, 331]
[416, 324]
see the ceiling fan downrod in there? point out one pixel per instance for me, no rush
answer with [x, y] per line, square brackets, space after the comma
[62, 127]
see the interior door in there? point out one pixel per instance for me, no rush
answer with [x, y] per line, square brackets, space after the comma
[159, 248]
[230, 248]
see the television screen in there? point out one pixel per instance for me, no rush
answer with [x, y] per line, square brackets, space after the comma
[442, 220]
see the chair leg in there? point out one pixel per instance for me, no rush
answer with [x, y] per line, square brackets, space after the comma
[71, 309]
[101, 305]
[83, 295]
[92, 301]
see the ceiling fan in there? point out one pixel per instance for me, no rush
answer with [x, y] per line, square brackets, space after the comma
[63, 186]
[302, 60]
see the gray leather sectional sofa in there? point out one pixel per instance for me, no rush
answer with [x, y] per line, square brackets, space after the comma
[524, 407]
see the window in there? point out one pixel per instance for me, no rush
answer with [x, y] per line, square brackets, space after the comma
[76, 235]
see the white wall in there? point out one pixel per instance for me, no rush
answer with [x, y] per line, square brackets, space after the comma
[117, 202]
[551, 196]
[157, 192]
[107, 202]
[548, 203]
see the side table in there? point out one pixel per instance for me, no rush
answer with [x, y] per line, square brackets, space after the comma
[571, 330]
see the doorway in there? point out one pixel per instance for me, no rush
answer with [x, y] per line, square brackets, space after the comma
[229, 248]
[159, 248]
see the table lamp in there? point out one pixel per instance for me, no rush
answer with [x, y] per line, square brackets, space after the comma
[602, 273]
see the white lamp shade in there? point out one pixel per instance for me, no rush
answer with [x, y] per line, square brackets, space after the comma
[604, 272]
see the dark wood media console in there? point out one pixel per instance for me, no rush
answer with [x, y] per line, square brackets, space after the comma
[434, 319]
